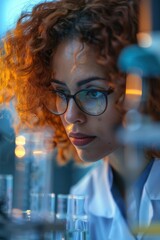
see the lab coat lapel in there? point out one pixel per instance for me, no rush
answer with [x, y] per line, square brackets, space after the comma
[119, 229]
[106, 205]
[151, 192]
[146, 209]
[102, 203]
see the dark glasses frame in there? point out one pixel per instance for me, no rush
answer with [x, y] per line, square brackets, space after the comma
[69, 96]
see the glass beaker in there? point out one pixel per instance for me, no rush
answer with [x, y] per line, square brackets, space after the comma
[42, 206]
[77, 218]
[61, 215]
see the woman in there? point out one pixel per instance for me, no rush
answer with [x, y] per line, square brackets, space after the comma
[61, 64]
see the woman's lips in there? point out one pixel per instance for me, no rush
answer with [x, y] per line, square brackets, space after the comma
[79, 139]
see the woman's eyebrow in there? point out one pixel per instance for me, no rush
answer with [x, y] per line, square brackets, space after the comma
[90, 79]
[80, 83]
[58, 82]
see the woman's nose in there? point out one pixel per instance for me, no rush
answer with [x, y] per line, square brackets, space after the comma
[73, 113]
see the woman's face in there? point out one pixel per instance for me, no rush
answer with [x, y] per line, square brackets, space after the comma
[75, 67]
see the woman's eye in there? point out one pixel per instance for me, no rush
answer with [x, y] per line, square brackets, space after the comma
[60, 93]
[59, 89]
[94, 94]
[62, 90]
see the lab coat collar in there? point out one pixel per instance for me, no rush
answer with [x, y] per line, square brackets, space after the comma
[102, 190]
[97, 186]
[151, 191]
[102, 203]
[102, 183]
[119, 226]
[106, 206]
[152, 183]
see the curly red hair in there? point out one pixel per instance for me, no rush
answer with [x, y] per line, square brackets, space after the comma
[27, 52]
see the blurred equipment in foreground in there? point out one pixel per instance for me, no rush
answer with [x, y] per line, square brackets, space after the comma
[141, 62]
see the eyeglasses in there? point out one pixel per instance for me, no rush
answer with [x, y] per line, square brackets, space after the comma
[90, 101]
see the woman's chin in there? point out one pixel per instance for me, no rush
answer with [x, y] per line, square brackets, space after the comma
[87, 156]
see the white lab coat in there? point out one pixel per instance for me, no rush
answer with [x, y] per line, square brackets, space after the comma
[106, 221]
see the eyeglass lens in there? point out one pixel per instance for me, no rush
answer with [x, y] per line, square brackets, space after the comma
[92, 102]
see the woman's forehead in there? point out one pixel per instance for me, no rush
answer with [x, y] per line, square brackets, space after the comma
[73, 49]
[73, 57]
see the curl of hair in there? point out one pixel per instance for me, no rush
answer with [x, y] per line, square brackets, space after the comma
[27, 52]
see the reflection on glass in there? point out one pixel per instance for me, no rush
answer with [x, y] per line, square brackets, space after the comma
[42, 206]
[6, 193]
